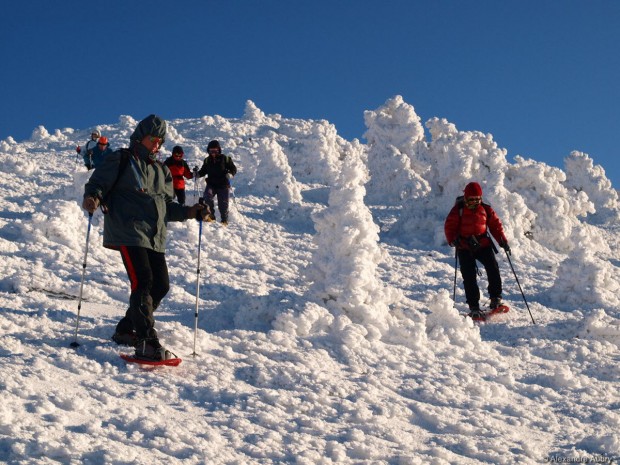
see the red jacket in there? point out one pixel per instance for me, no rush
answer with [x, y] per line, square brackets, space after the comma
[179, 169]
[464, 223]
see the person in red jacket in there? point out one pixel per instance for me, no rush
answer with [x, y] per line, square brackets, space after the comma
[467, 228]
[180, 171]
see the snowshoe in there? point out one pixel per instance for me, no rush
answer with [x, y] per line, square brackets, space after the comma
[498, 309]
[151, 350]
[171, 362]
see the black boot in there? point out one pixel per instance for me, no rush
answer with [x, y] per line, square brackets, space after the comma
[124, 334]
[125, 339]
[151, 349]
[475, 313]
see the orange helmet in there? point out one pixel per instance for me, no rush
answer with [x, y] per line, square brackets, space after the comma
[103, 140]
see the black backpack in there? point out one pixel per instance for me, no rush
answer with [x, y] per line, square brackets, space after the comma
[125, 154]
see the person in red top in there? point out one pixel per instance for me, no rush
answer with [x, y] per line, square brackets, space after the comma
[467, 228]
[179, 170]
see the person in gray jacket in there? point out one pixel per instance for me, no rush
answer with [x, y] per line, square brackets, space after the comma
[136, 194]
[88, 149]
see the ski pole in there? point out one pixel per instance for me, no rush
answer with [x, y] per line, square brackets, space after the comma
[519, 284]
[201, 201]
[77, 320]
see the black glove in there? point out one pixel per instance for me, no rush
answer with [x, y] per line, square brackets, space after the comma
[198, 211]
[506, 247]
[195, 170]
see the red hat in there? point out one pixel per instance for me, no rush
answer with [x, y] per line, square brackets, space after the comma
[473, 189]
[103, 140]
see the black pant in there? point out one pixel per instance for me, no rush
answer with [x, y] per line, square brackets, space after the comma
[467, 260]
[148, 275]
[180, 194]
[222, 194]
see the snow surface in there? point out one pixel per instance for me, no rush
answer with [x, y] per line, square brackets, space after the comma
[326, 331]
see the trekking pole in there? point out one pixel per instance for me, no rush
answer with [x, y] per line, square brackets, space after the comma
[77, 320]
[201, 201]
[519, 284]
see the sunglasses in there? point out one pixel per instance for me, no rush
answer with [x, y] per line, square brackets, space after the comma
[179, 155]
[473, 200]
[156, 140]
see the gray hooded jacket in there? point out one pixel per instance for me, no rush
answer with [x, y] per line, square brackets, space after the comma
[141, 202]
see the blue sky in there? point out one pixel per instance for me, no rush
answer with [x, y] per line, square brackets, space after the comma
[542, 76]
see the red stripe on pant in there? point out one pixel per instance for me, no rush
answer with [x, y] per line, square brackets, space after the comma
[131, 271]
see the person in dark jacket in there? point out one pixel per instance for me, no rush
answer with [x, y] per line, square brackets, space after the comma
[87, 150]
[137, 192]
[467, 228]
[180, 171]
[219, 169]
[94, 157]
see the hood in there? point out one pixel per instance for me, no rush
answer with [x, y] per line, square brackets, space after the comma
[152, 125]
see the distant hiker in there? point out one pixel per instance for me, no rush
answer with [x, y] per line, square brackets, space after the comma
[467, 228]
[98, 153]
[137, 192]
[87, 150]
[180, 171]
[219, 169]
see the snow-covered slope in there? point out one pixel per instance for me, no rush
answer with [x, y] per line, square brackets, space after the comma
[326, 331]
